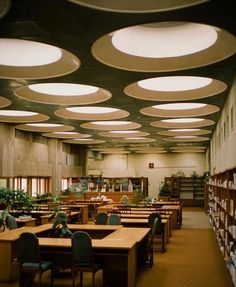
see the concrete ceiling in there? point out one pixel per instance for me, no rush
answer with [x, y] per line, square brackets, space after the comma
[75, 28]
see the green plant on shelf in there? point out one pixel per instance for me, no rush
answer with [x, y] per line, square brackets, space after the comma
[125, 200]
[138, 196]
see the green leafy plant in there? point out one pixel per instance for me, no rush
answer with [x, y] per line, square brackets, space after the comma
[60, 227]
[138, 196]
[125, 200]
[164, 189]
[15, 199]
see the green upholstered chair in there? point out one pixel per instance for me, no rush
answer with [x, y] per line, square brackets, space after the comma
[114, 219]
[101, 218]
[83, 258]
[30, 261]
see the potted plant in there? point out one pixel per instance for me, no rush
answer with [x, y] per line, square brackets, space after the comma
[60, 227]
[138, 196]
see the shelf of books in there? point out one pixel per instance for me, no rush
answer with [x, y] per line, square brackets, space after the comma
[221, 202]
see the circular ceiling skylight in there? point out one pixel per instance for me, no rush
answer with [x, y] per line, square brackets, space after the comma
[180, 110]
[164, 46]
[182, 123]
[134, 140]
[164, 40]
[122, 134]
[183, 132]
[44, 127]
[84, 141]
[4, 102]
[111, 125]
[188, 147]
[186, 139]
[175, 88]
[183, 150]
[91, 113]
[66, 135]
[63, 94]
[18, 116]
[137, 6]
[26, 59]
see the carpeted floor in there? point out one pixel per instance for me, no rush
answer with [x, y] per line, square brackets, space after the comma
[193, 259]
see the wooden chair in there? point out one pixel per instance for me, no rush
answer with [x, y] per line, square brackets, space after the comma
[159, 228]
[152, 235]
[30, 261]
[83, 258]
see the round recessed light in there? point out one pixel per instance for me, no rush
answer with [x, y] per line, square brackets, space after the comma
[137, 6]
[183, 132]
[182, 123]
[175, 88]
[66, 135]
[180, 110]
[91, 113]
[134, 140]
[4, 102]
[26, 59]
[44, 127]
[18, 116]
[183, 150]
[186, 139]
[111, 125]
[84, 141]
[122, 134]
[63, 94]
[164, 46]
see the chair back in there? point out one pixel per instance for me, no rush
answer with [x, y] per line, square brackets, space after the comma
[155, 225]
[11, 222]
[101, 218]
[29, 248]
[82, 250]
[114, 219]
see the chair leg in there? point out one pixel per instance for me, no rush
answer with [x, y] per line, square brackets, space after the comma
[40, 279]
[73, 276]
[52, 277]
[81, 279]
[93, 279]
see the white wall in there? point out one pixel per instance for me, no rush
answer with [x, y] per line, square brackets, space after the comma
[223, 143]
[137, 165]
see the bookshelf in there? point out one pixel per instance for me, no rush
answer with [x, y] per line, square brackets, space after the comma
[190, 190]
[221, 209]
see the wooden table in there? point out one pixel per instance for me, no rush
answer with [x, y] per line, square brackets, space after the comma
[122, 250]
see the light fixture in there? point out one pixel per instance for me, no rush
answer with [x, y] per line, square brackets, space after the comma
[122, 134]
[44, 127]
[65, 135]
[91, 113]
[175, 88]
[63, 94]
[4, 102]
[20, 116]
[164, 46]
[24, 59]
[182, 123]
[111, 125]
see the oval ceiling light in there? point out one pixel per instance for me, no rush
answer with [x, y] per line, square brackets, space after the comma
[151, 151]
[122, 134]
[44, 127]
[183, 132]
[4, 102]
[186, 139]
[183, 123]
[180, 110]
[146, 148]
[115, 152]
[108, 149]
[188, 147]
[175, 88]
[188, 150]
[24, 59]
[17, 116]
[84, 141]
[137, 6]
[111, 125]
[63, 94]
[66, 135]
[164, 46]
[4, 7]
[134, 140]
[91, 113]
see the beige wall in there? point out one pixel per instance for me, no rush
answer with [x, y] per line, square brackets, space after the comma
[22, 154]
[223, 143]
[137, 165]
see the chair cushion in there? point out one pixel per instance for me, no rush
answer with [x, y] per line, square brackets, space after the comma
[44, 265]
